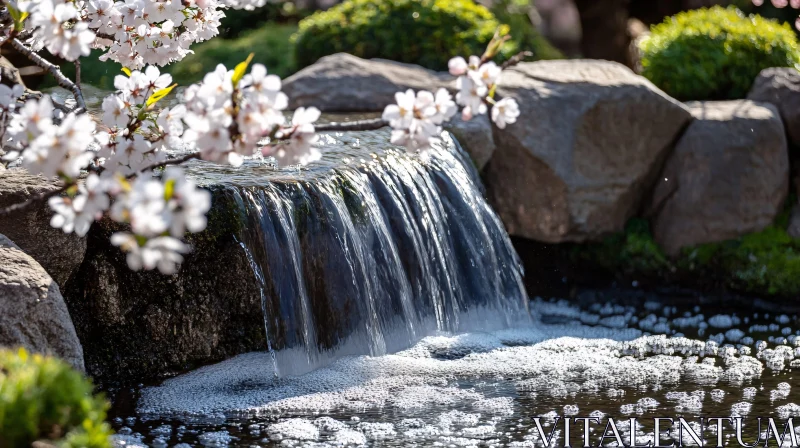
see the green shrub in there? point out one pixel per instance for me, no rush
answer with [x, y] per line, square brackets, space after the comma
[525, 36]
[42, 398]
[424, 32]
[270, 43]
[715, 53]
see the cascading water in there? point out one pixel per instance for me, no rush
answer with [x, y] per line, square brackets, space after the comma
[368, 256]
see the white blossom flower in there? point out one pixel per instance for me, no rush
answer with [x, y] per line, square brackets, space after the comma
[301, 138]
[77, 214]
[401, 114]
[9, 95]
[457, 66]
[164, 253]
[487, 74]
[187, 205]
[115, 112]
[505, 111]
[470, 95]
[443, 107]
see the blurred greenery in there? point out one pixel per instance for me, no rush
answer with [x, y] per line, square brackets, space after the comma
[44, 399]
[270, 43]
[515, 14]
[424, 32]
[715, 53]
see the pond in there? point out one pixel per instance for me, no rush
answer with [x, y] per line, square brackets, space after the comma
[603, 356]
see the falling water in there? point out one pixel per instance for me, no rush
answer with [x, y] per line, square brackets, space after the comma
[371, 250]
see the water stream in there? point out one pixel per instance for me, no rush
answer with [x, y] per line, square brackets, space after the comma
[395, 316]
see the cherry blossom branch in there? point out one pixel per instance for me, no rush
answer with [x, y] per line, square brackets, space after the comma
[62, 80]
[516, 59]
[175, 161]
[359, 125]
[35, 199]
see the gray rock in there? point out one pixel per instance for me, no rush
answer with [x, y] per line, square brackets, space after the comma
[32, 312]
[475, 136]
[9, 75]
[345, 83]
[781, 87]
[728, 176]
[60, 254]
[577, 164]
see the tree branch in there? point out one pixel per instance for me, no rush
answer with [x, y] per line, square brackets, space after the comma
[175, 161]
[360, 125]
[516, 59]
[62, 80]
[33, 200]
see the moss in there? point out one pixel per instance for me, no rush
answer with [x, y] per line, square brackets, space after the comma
[765, 263]
[633, 252]
[44, 399]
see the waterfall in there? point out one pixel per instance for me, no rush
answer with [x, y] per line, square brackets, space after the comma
[371, 251]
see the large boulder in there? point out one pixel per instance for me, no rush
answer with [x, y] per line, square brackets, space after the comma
[32, 312]
[728, 176]
[345, 83]
[781, 87]
[589, 142]
[59, 253]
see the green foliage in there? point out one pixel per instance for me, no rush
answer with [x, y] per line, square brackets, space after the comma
[270, 43]
[525, 36]
[237, 21]
[424, 32]
[715, 53]
[634, 251]
[764, 263]
[42, 398]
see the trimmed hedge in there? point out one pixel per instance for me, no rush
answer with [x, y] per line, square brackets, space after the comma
[44, 399]
[716, 53]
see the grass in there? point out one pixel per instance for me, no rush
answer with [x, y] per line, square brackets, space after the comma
[270, 43]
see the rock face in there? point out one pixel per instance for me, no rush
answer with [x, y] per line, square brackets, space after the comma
[728, 176]
[590, 140]
[475, 137]
[60, 254]
[346, 83]
[32, 312]
[781, 87]
[139, 325]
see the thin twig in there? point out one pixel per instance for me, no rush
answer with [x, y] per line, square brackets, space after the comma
[360, 125]
[33, 200]
[175, 161]
[78, 74]
[62, 80]
[516, 59]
